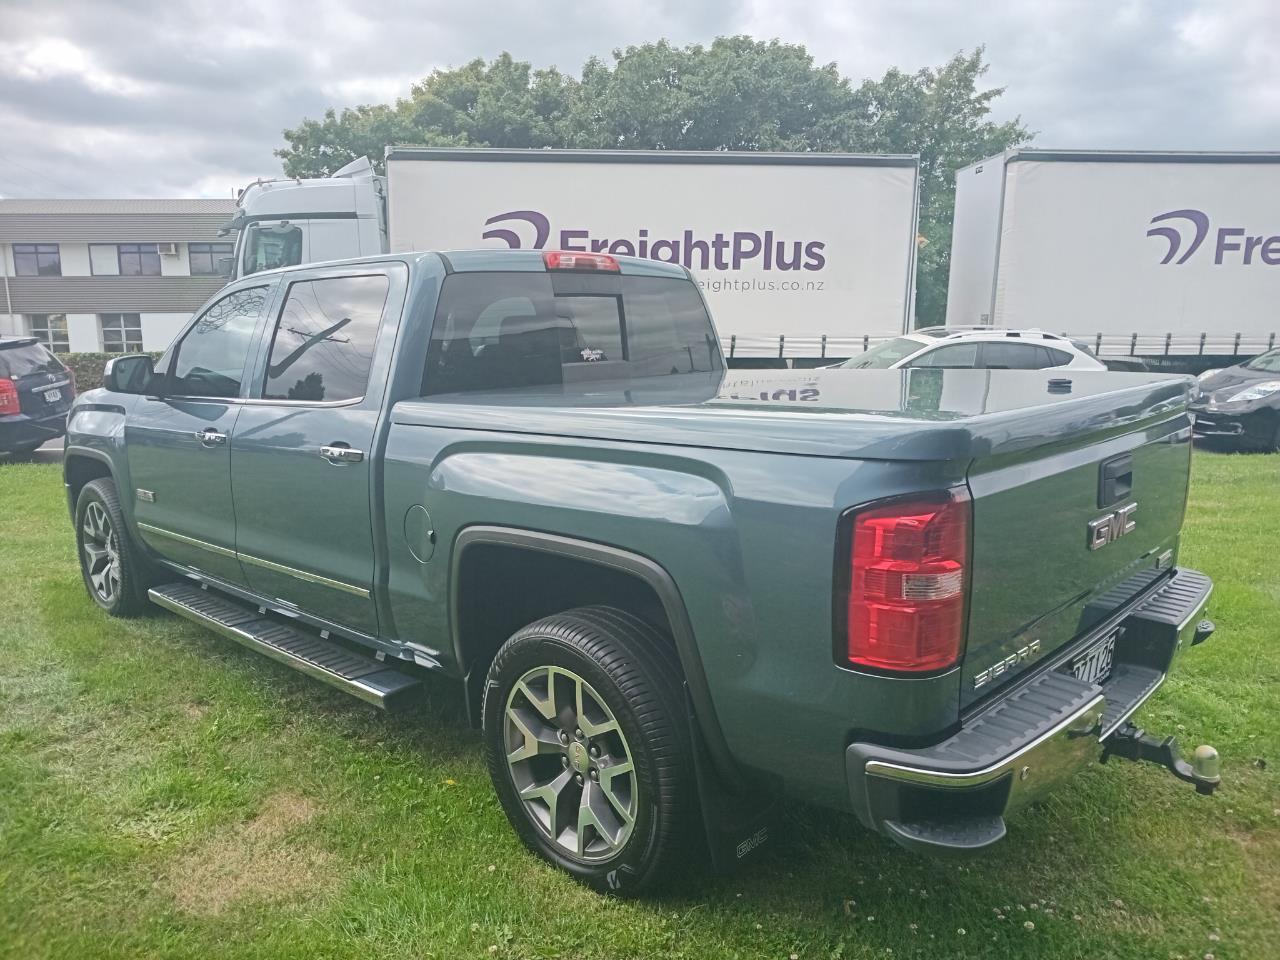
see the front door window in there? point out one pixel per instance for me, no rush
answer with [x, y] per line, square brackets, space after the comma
[211, 358]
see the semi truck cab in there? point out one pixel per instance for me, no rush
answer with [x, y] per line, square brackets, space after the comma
[287, 222]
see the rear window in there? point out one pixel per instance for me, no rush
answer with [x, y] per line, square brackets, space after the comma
[26, 360]
[495, 331]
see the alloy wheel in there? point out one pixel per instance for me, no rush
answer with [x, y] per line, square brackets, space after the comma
[101, 553]
[570, 763]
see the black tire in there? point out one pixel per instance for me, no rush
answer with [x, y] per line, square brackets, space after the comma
[633, 671]
[126, 586]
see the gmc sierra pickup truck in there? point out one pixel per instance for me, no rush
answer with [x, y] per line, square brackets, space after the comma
[676, 596]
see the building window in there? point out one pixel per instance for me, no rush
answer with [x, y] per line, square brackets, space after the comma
[139, 260]
[121, 332]
[37, 260]
[51, 328]
[104, 260]
[205, 258]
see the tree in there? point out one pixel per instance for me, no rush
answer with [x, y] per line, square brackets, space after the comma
[735, 94]
[319, 147]
[941, 115]
[502, 104]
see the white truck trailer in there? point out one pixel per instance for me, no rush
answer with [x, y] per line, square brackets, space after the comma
[1154, 255]
[801, 256]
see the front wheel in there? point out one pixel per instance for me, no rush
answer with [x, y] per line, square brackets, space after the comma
[113, 568]
[587, 746]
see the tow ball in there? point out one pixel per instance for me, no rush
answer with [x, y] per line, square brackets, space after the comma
[1134, 743]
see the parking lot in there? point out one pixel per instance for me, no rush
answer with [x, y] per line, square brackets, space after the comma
[164, 792]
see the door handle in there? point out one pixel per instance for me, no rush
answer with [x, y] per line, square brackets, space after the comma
[341, 453]
[210, 437]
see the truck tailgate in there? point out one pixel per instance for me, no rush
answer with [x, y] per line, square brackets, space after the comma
[1066, 535]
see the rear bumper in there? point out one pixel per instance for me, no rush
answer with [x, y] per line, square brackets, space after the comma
[955, 795]
[20, 430]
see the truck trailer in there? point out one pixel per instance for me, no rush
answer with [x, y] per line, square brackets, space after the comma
[801, 256]
[1172, 257]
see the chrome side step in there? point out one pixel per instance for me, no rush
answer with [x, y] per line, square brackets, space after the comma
[360, 676]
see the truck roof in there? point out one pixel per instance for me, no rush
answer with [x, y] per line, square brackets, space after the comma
[483, 260]
[752, 157]
[1045, 155]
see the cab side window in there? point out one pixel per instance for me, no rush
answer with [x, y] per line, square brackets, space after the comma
[210, 359]
[955, 355]
[323, 343]
[1014, 356]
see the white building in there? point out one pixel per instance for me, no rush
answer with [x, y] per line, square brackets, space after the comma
[108, 275]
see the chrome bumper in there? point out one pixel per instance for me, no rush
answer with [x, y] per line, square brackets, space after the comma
[955, 794]
[1032, 770]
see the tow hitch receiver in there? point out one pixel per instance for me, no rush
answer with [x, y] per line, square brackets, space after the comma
[1134, 743]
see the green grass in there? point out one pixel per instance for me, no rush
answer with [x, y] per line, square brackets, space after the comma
[166, 793]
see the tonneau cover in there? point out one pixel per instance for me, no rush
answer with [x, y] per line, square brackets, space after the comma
[862, 414]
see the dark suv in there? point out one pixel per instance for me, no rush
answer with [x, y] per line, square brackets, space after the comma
[36, 391]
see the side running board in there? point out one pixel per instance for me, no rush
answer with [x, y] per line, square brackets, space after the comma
[361, 676]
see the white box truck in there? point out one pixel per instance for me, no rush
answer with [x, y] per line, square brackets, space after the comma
[1137, 253]
[799, 255]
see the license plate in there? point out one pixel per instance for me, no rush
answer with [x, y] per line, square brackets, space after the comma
[1094, 665]
[52, 396]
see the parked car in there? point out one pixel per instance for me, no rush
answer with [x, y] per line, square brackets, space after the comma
[925, 597]
[980, 348]
[1241, 405]
[36, 391]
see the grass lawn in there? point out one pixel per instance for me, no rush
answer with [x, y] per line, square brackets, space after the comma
[164, 792]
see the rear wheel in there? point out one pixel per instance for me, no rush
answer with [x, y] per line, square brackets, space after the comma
[112, 565]
[587, 746]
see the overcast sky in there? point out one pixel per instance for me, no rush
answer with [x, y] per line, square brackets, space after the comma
[182, 98]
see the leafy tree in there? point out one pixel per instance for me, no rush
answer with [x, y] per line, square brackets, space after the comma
[319, 147]
[502, 104]
[943, 116]
[735, 94]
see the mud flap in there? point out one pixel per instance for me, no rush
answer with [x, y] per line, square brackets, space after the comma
[740, 821]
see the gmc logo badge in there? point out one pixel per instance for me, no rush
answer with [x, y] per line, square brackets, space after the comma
[1112, 527]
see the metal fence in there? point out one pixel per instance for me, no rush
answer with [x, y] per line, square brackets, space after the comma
[1103, 344]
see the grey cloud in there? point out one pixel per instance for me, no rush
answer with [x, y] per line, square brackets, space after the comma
[180, 97]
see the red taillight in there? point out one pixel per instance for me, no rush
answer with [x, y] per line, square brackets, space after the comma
[908, 584]
[9, 402]
[572, 260]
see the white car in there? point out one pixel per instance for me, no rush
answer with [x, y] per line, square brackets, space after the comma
[977, 348]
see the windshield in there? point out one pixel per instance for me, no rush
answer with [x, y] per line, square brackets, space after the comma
[884, 355]
[1268, 362]
[26, 360]
[494, 331]
[269, 247]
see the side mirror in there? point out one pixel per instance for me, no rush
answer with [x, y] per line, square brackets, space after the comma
[225, 265]
[132, 373]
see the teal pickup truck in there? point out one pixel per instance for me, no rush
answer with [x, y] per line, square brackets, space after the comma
[677, 596]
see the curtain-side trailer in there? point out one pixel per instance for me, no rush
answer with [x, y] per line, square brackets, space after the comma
[1150, 254]
[798, 255]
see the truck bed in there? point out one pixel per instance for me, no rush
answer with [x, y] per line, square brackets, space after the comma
[865, 414]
